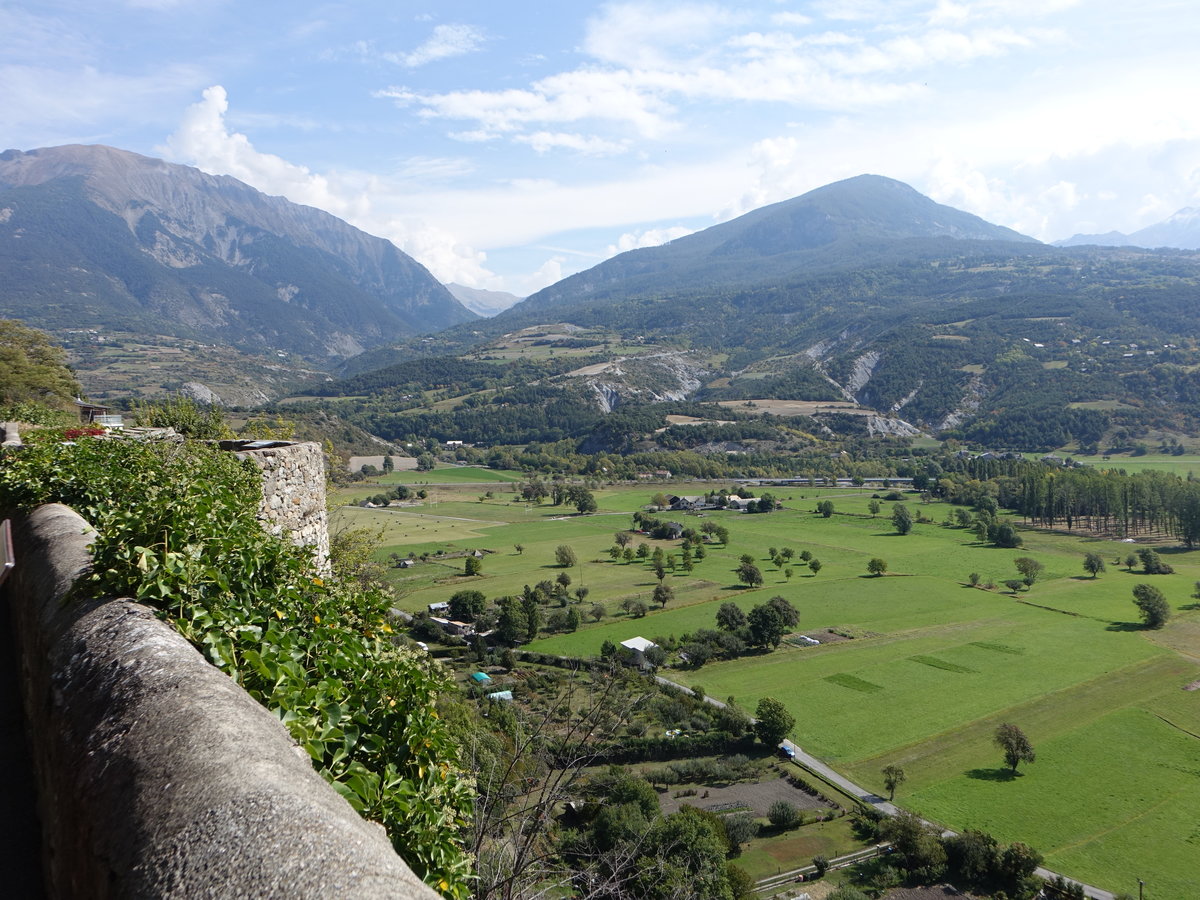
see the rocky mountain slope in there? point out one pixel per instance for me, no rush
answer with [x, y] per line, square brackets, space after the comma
[92, 236]
[1180, 231]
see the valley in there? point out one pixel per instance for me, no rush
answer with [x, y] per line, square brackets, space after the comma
[932, 666]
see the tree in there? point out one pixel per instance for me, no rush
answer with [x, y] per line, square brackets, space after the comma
[389, 464]
[565, 556]
[740, 828]
[623, 538]
[902, 519]
[772, 721]
[730, 617]
[533, 616]
[877, 566]
[1152, 563]
[663, 594]
[1015, 744]
[1029, 568]
[511, 625]
[583, 500]
[32, 369]
[814, 564]
[597, 611]
[564, 581]
[784, 815]
[893, 777]
[473, 566]
[656, 656]
[1131, 561]
[1093, 563]
[788, 614]
[766, 626]
[637, 609]
[825, 508]
[749, 575]
[1014, 584]
[520, 548]
[466, 606]
[874, 507]
[1153, 605]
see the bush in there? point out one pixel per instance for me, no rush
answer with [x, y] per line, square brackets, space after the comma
[784, 815]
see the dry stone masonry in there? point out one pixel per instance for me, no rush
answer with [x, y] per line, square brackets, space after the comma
[293, 485]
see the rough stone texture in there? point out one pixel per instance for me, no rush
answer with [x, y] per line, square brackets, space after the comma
[293, 503]
[157, 775]
[10, 434]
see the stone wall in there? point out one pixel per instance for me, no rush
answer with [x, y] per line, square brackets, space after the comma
[293, 504]
[157, 775]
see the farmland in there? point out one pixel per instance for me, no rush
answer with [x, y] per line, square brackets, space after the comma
[933, 667]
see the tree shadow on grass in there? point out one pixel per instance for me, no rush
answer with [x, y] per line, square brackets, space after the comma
[1126, 626]
[1004, 774]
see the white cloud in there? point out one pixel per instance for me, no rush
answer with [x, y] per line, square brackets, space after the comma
[446, 41]
[640, 36]
[81, 105]
[543, 141]
[790, 20]
[545, 275]
[651, 237]
[650, 65]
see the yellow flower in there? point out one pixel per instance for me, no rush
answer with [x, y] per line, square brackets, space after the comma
[278, 614]
[318, 581]
[317, 619]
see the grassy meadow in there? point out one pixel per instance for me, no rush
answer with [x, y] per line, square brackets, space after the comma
[934, 667]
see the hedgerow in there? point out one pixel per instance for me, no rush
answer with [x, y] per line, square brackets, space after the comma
[177, 530]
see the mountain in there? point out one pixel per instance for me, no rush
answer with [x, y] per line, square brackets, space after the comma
[862, 302]
[846, 224]
[1180, 231]
[96, 237]
[481, 302]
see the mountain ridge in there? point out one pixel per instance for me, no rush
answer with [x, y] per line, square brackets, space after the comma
[96, 235]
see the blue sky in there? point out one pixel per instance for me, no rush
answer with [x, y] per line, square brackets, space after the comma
[505, 145]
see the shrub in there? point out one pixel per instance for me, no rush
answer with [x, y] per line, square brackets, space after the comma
[784, 815]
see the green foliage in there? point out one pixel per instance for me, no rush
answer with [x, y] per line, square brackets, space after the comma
[772, 721]
[33, 373]
[185, 415]
[784, 815]
[178, 531]
[564, 556]
[902, 519]
[1012, 740]
[893, 777]
[1153, 605]
[877, 566]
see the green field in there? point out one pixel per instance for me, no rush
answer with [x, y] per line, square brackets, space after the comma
[1112, 794]
[449, 475]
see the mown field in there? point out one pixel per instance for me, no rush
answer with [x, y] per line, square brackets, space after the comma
[936, 667]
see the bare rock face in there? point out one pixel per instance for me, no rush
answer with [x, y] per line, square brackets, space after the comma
[122, 240]
[656, 378]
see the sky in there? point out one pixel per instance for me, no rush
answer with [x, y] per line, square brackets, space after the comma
[507, 145]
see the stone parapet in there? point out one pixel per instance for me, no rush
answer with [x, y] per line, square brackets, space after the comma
[157, 775]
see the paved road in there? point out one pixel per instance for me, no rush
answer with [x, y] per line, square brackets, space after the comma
[808, 761]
